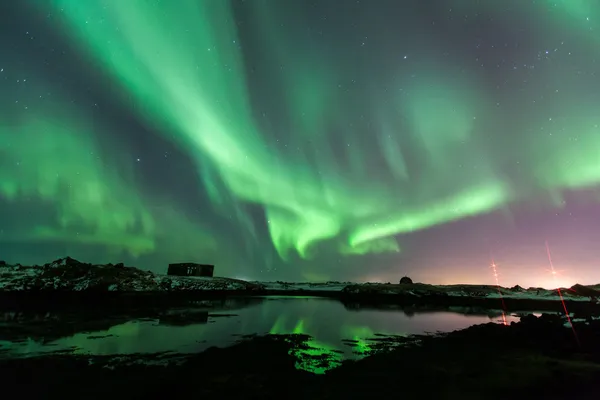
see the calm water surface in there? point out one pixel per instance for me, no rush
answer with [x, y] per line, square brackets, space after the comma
[333, 327]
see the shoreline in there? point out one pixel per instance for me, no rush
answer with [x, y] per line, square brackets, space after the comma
[533, 358]
[353, 301]
[69, 282]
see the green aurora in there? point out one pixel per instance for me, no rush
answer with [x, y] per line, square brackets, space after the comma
[418, 156]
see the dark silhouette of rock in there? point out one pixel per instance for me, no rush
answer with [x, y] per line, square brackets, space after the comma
[517, 288]
[585, 291]
[66, 262]
[2, 263]
[406, 281]
[70, 275]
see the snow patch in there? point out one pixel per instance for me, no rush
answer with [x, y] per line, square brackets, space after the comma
[72, 275]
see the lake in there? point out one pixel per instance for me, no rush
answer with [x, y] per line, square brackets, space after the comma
[344, 330]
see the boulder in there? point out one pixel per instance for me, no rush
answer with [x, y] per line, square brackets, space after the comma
[584, 291]
[406, 281]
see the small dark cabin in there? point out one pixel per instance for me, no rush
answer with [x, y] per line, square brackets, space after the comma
[191, 269]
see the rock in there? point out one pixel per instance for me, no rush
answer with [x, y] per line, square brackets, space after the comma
[3, 263]
[65, 262]
[544, 321]
[528, 319]
[585, 291]
[68, 274]
[406, 281]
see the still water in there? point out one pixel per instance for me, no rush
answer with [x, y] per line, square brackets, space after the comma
[333, 326]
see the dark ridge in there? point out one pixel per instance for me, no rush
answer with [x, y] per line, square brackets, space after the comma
[55, 284]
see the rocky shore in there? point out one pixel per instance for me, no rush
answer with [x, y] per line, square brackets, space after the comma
[70, 275]
[535, 358]
[66, 281]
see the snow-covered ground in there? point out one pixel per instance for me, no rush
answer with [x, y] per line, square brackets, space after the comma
[72, 275]
[67, 274]
[577, 292]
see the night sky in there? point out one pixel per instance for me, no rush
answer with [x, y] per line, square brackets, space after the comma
[305, 139]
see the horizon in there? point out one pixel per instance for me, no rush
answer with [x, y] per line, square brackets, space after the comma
[558, 282]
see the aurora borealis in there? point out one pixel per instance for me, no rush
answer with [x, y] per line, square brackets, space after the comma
[304, 139]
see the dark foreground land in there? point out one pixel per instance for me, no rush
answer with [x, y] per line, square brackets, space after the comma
[535, 358]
